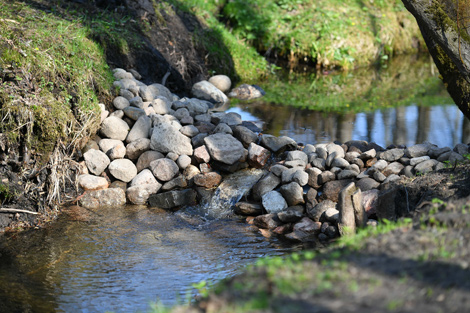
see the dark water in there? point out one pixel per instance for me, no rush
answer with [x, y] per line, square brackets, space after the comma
[122, 259]
[403, 102]
[443, 125]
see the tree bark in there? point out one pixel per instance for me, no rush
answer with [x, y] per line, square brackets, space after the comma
[444, 25]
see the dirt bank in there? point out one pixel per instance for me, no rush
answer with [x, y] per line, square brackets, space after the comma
[419, 264]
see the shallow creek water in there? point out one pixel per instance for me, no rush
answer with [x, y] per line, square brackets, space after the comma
[122, 259]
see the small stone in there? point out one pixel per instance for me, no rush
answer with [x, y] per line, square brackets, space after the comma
[290, 216]
[278, 144]
[293, 194]
[146, 158]
[91, 182]
[246, 208]
[208, 180]
[313, 174]
[222, 128]
[135, 149]
[231, 119]
[123, 169]
[316, 212]
[393, 168]
[418, 150]
[267, 221]
[206, 91]
[274, 202]
[222, 82]
[183, 161]
[265, 185]
[201, 155]
[114, 128]
[300, 177]
[164, 169]
[257, 155]
[177, 182]
[325, 177]
[245, 135]
[96, 161]
[121, 103]
[392, 155]
[224, 148]
[308, 226]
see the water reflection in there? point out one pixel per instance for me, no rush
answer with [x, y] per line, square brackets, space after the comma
[121, 259]
[442, 125]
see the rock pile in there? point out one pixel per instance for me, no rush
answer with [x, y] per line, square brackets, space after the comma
[165, 151]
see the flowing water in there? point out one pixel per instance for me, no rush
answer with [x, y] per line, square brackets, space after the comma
[122, 259]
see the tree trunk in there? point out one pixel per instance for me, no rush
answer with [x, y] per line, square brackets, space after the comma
[445, 28]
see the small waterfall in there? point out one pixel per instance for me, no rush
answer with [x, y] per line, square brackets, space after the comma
[230, 191]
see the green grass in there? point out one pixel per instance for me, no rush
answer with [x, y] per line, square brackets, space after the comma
[55, 71]
[329, 33]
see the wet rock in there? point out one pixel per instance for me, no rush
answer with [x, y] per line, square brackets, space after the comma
[257, 155]
[293, 194]
[141, 129]
[135, 149]
[308, 226]
[208, 180]
[114, 128]
[137, 194]
[172, 199]
[111, 197]
[290, 216]
[91, 182]
[278, 144]
[166, 138]
[317, 211]
[207, 91]
[246, 208]
[96, 161]
[267, 221]
[273, 202]
[224, 148]
[177, 182]
[221, 82]
[164, 169]
[265, 185]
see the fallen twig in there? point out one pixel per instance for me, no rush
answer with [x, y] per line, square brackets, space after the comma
[8, 210]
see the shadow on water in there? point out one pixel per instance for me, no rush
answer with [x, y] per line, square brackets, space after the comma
[122, 259]
[404, 103]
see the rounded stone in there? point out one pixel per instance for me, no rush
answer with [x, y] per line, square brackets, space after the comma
[164, 169]
[114, 128]
[222, 82]
[273, 202]
[123, 169]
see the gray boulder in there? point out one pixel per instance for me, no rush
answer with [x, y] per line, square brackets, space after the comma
[224, 148]
[273, 202]
[172, 199]
[165, 138]
[164, 169]
[106, 198]
[141, 129]
[278, 144]
[137, 147]
[146, 158]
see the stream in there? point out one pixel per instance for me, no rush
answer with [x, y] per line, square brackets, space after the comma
[123, 259]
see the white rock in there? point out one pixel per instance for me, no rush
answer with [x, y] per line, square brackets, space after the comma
[123, 169]
[96, 161]
[114, 128]
[222, 82]
[92, 182]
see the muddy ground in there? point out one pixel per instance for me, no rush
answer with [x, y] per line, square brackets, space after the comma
[420, 266]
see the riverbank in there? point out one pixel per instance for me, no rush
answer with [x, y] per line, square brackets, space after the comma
[419, 263]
